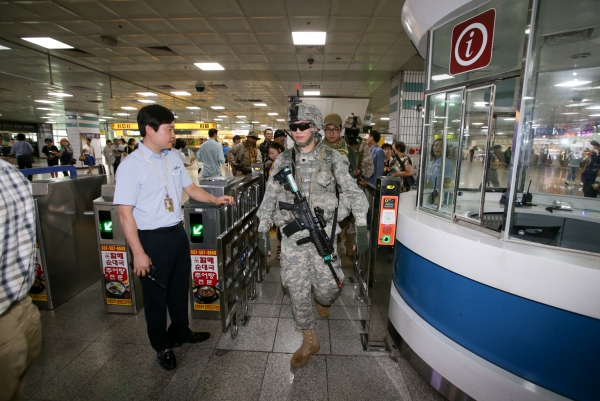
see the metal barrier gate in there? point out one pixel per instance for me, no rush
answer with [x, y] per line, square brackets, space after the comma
[121, 288]
[224, 251]
[375, 267]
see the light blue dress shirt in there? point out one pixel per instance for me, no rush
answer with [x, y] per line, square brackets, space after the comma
[379, 162]
[211, 154]
[139, 185]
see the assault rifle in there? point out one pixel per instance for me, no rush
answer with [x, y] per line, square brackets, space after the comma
[306, 221]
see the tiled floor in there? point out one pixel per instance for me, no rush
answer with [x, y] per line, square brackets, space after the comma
[90, 355]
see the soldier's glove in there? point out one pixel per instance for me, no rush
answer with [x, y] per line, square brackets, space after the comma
[264, 243]
[362, 239]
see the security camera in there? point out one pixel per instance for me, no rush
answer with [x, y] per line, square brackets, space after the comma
[311, 61]
[578, 99]
[200, 88]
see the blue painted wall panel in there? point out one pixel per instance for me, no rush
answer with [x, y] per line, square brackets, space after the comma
[554, 348]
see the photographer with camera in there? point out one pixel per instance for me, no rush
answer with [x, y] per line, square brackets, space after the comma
[324, 182]
[246, 154]
[52, 154]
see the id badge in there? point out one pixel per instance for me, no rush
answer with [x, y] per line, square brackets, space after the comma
[169, 205]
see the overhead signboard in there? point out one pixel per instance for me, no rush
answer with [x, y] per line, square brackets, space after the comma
[178, 126]
[472, 42]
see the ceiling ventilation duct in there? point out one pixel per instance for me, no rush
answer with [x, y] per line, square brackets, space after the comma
[312, 50]
[160, 51]
[568, 37]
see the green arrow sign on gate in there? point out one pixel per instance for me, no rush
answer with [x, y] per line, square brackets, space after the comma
[108, 226]
[197, 230]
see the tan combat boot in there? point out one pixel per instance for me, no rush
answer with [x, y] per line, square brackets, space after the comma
[310, 346]
[323, 310]
[349, 244]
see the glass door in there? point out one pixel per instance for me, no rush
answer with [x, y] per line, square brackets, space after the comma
[474, 170]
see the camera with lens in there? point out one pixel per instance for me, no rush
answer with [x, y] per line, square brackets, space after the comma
[200, 88]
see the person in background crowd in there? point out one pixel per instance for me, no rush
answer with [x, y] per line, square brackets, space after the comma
[378, 156]
[274, 150]
[391, 163]
[5, 158]
[591, 175]
[20, 325]
[119, 152]
[52, 154]
[403, 166]
[131, 146]
[237, 142]
[211, 154]
[190, 152]
[148, 193]
[333, 135]
[90, 155]
[263, 146]
[109, 156]
[279, 137]
[246, 154]
[574, 162]
[364, 159]
[492, 173]
[472, 153]
[507, 155]
[500, 154]
[66, 155]
[23, 152]
[226, 148]
[178, 149]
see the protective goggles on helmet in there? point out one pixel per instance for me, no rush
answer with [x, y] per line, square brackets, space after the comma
[299, 126]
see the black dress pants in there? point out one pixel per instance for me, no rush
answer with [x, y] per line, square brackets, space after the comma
[24, 164]
[170, 255]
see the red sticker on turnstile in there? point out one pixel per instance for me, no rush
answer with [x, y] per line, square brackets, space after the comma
[38, 290]
[205, 279]
[114, 266]
[387, 220]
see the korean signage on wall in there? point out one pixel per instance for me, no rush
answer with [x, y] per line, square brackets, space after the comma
[178, 126]
[205, 278]
[472, 42]
[114, 265]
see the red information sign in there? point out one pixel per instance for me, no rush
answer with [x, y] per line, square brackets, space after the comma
[205, 277]
[114, 264]
[472, 42]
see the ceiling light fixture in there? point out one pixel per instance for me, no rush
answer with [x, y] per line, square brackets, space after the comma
[43, 108]
[121, 114]
[570, 84]
[129, 108]
[181, 93]
[147, 101]
[309, 38]
[510, 119]
[568, 113]
[147, 94]
[199, 122]
[240, 116]
[4, 48]
[312, 93]
[52, 114]
[255, 122]
[271, 114]
[477, 124]
[193, 107]
[59, 94]
[385, 118]
[209, 66]
[593, 108]
[280, 119]
[107, 117]
[528, 97]
[594, 115]
[263, 125]
[217, 107]
[45, 101]
[48, 43]
[260, 104]
[441, 77]
[223, 116]
[101, 119]
[218, 119]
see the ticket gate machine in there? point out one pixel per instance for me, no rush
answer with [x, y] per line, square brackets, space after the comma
[66, 258]
[375, 271]
[258, 171]
[224, 251]
[121, 288]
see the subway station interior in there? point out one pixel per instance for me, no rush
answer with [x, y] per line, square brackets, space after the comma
[479, 283]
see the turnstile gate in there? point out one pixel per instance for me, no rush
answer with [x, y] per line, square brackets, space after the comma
[121, 288]
[224, 251]
[375, 267]
[258, 171]
[65, 253]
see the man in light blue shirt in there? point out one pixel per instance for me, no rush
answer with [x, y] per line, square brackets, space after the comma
[211, 154]
[148, 192]
[378, 156]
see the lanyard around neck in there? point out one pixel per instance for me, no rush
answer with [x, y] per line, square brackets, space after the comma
[158, 172]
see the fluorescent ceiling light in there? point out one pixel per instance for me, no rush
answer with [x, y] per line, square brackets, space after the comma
[45, 101]
[101, 119]
[193, 107]
[528, 97]
[480, 104]
[128, 108]
[587, 108]
[573, 83]
[146, 101]
[209, 66]
[280, 119]
[4, 48]
[499, 133]
[309, 38]
[271, 114]
[52, 114]
[176, 116]
[107, 117]
[385, 118]
[442, 96]
[373, 124]
[147, 94]
[577, 104]
[440, 117]
[568, 113]
[441, 77]
[477, 124]
[260, 104]
[240, 116]
[46, 117]
[455, 121]
[484, 127]
[217, 107]
[59, 94]
[121, 114]
[312, 93]
[199, 122]
[222, 116]
[51, 122]
[510, 119]
[263, 125]
[255, 122]
[594, 115]
[43, 108]
[48, 43]
[218, 119]
[527, 31]
[181, 93]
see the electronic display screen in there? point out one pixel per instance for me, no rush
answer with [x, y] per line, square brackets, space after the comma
[196, 228]
[106, 224]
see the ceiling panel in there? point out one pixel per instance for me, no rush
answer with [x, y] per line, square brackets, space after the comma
[263, 8]
[269, 24]
[307, 7]
[131, 9]
[192, 25]
[174, 9]
[352, 7]
[221, 8]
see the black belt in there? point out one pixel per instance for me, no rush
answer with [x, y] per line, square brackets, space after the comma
[177, 227]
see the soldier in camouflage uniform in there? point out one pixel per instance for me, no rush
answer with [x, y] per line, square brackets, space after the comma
[318, 171]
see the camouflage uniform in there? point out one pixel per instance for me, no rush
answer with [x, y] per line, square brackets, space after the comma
[241, 155]
[317, 173]
[231, 157]
[365, 160]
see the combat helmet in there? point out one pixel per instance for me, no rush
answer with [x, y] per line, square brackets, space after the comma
[309, 112]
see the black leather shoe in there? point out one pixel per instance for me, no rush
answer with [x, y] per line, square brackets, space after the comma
[195, 337]
[166, 359]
